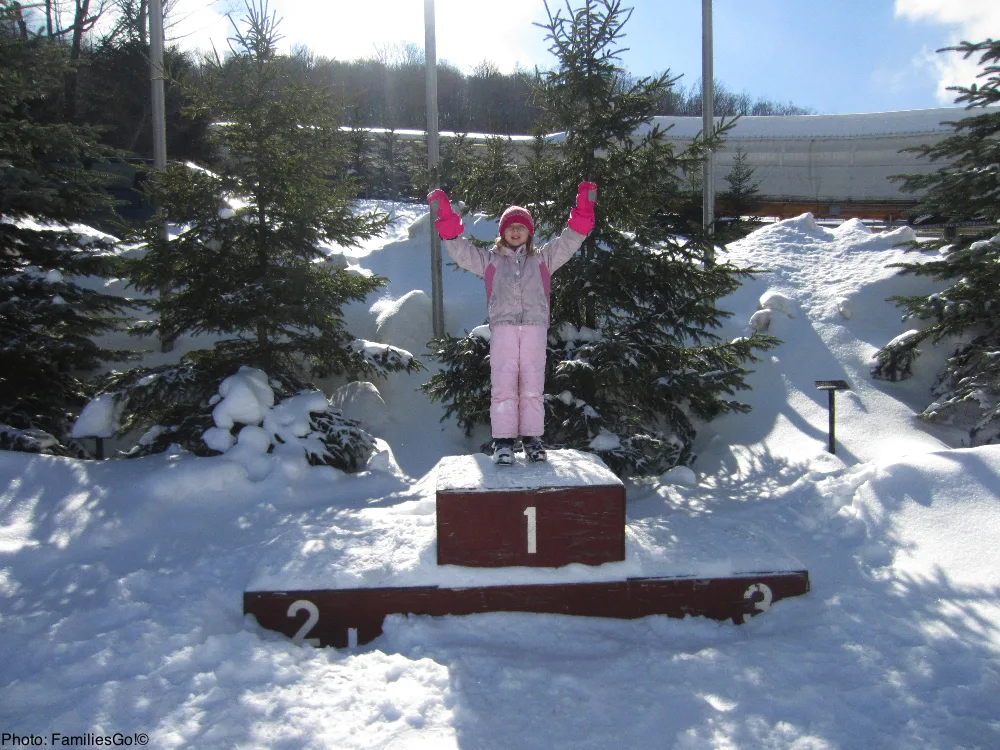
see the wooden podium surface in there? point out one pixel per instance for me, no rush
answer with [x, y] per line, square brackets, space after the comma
[570, 509]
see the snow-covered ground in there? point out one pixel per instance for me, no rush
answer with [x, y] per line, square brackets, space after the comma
[121, 581]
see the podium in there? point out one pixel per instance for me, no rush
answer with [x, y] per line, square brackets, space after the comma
[565, 517]
[548, 514]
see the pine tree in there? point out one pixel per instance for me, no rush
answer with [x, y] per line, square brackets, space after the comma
[390, 174]
[633, 356]
[360, 159]
[965, 188]
[247, 266]
[48, 317]
[743, 194]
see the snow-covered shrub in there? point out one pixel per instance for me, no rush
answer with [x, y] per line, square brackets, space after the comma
[627, 436]
[251, 422]
[33, 440]
[963, 189]
[204, 411]
[334, 440]
[895, 360]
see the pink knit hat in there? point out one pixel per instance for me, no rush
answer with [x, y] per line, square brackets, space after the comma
[516, 215]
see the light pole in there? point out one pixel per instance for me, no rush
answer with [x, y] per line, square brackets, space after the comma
[156, 76]
[707, 127]
[156, 79]
[433, 153]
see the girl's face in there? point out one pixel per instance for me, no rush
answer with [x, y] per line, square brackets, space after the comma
[516, 235]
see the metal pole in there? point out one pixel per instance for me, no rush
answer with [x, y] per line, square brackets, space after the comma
[832, 410]
[707, 126]
[433, 155]
[156, 76]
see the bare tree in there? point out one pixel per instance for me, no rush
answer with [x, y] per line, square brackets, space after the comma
[85, 16]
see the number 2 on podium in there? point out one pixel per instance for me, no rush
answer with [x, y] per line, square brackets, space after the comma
[532, 513]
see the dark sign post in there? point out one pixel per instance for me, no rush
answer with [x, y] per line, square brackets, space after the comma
[831, 387]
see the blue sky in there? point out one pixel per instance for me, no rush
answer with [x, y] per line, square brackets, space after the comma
[830, 56]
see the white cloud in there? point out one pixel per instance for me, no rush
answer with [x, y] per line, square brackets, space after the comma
[954, 70]
[198, 25]
[976, 16]
[970, 20]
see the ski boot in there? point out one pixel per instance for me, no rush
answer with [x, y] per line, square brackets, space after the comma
[503, 451]
[533, 449]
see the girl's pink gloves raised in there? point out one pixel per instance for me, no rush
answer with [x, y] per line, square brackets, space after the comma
[581, 218]
[449, 224]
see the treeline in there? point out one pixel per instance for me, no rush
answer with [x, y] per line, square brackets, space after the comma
[108, 88]
[388, 91]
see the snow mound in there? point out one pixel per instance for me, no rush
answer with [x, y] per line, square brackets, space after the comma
[362, 401]
[936, 517]
[804, 223]
[760, 320]
[383, 459]
[778, 302]
[405, 322]
[855, 226]
[683, 475]
[246, 397]
[98, 419]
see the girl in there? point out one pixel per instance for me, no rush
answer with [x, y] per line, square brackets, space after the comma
[517, 297]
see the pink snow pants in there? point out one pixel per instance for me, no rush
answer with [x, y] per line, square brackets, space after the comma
[517, 374]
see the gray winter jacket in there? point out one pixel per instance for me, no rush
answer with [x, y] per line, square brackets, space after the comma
[517, 284]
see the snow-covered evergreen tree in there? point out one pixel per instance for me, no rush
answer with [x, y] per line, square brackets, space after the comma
[246, 265]
[633, 356]
[964, 189]
[48, 321]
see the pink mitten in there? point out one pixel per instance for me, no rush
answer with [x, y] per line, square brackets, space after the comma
[581, 218]
[449, 224]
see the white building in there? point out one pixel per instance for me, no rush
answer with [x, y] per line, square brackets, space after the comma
[830, 165]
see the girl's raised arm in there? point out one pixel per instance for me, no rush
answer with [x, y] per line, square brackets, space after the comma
[581, 217]
[581, 221]
[449, 224]
[449, 228]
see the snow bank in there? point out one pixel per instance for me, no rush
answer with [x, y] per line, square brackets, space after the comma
[121, 581]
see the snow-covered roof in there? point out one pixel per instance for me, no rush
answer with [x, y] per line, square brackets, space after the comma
[865, 125]
[409, 134]
[860, 125]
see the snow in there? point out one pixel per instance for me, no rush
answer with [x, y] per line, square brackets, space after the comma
[361, 400]
[98, 418]
[564, 468]
[246, 397]
[121, 581]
